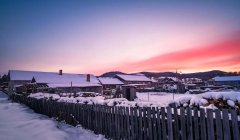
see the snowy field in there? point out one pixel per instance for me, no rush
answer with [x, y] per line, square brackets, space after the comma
[18, 122]
[160, 97]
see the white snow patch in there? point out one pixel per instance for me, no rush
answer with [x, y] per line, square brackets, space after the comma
[19, 122]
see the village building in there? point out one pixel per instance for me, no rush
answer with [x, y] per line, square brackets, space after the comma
[140, 81]
[171, 84]
[233, 81]
[53, 82]
[110, 85]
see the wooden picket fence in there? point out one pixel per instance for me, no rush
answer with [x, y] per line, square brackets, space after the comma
[147, 123]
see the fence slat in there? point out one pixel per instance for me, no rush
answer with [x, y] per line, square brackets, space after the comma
[169, 122]
[135, 123]
[149, 112]
[183, 124]
[124, 123]
[127, 123]
[210, 126]
[219, 133]
[154, 123]
[144, 123]
[226, 127]
[235, 126]
[196, 124]
[189, 124]
[176, 124]
[159, 132]
[163, 122]
[203, 124]
[131, 123]
[140, 124]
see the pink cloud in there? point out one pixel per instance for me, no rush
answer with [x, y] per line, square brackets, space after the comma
[218, 55]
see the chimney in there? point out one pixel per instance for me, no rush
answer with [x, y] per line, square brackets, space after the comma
[60, 72]
[88, 78]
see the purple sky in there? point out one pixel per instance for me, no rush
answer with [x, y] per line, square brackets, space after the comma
[131, 36]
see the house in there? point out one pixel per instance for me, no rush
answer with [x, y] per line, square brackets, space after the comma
[171, 84]
[137, 80]
[110, 84]
[233, 81]
[53, 82]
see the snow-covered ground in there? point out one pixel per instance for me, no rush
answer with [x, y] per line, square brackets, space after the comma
[208, 99]
[211, 99]
[18, 122]
[160, 97]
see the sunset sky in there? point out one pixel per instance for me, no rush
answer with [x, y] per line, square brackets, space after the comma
[112, 35]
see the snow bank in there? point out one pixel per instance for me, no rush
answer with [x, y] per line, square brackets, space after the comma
[96, 100]
[218, 99]
[211, 100]
[19, 122]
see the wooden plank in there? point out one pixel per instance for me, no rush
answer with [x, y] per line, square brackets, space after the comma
[118, 123]
[210, 126]
[163, 122]
[203, 124]
[196, 124]
[235, 127]
[121, 122]
[189, 124]
[169, 123]
[219, 131]
[140, 124]
[149, 123]
[106, 122]
[159, 130]
[131, 123]
[127, 123]
[176, 124]
[145, 123]
[183, 124]
[226, 127]
[135, 111]
[124, 122]
[111, 122]
[154, 125]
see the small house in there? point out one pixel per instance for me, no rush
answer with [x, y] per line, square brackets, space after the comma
[140, 81]
[110, 85]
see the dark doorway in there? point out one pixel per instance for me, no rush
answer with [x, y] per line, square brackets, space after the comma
[128, 93]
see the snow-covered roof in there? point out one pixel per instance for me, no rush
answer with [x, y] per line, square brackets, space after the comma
[227, 78]
[110, 81]
[141, 78]
[53, 79]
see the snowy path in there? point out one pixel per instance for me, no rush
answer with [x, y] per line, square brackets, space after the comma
[19, 122]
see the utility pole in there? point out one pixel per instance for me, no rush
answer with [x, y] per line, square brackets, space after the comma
[176, 85]
[148, 95]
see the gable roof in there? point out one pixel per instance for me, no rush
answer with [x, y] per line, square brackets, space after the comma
[140, 78]
[110, 81]
[227, 78]
[53, 79]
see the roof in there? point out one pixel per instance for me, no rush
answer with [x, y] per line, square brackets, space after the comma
[140, 78]
[53, 79]
[227, 78]
[110, 81]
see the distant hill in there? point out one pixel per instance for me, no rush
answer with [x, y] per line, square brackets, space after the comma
[112, 73]
[202, 75]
